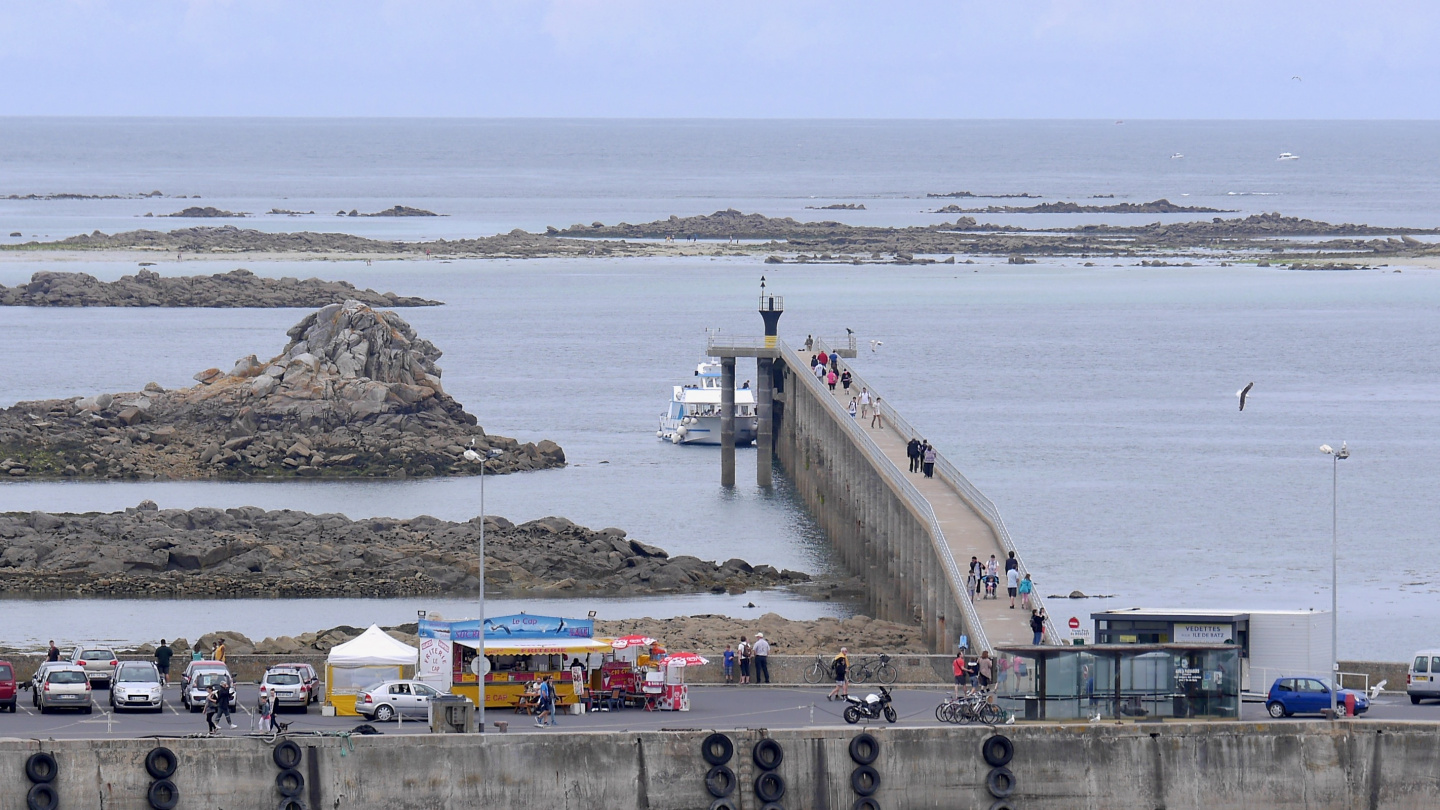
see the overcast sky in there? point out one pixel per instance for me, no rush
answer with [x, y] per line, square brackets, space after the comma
[723, 58]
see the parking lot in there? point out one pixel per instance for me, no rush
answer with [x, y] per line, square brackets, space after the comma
[711, 707]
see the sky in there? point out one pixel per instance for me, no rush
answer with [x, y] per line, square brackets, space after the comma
[723, 59]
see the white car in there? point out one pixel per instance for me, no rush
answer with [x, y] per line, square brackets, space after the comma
[390, 699]
[137, 685]
[286, 686]
[194, 692]
[65, 687]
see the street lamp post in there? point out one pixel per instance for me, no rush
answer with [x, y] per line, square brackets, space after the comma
[1335, 458]
[480, 659]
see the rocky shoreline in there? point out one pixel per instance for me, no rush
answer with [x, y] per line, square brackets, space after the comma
[355, 393]
[733, 233]
[237, 288]
[250, 552]
[1154, 207]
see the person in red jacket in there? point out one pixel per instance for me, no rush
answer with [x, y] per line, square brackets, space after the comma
[961, 672]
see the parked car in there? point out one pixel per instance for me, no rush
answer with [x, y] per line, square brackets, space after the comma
[195, 667]
[390, 699]
[193, 694]
[7, 686]
[309, 677]
[1423, 681]
[65, 687]
[286, 686]
[37, 681]
[137, 685]
[1303, 694]
[98, 662]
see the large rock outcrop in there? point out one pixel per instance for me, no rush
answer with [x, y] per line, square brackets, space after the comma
[237, 288]
[248, 551]
[355, 393]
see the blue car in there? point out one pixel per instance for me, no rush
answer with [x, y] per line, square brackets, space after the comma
[1306, 694]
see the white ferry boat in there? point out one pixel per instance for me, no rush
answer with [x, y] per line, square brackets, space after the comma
[694, 413]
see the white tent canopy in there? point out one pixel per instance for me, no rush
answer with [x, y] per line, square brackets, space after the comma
[374, 647]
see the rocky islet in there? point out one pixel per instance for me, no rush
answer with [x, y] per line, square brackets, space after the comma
[237, 288]
[251, 552]
[355, 393]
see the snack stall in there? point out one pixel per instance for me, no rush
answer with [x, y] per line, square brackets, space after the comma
[520, 651]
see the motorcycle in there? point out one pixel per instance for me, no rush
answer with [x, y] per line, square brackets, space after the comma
[873, 707]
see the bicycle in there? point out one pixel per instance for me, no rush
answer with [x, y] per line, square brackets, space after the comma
[819, 671]
[972, 708]
[878, 667]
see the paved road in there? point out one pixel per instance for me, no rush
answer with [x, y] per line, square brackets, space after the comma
[711, 707]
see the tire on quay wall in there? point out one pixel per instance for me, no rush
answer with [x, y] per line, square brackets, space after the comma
[864, 780]
[290, 803]
[767, 754]
[997, 751]
[163, 795]
[161, 763]
[42, 796]
[41, 768]
[1002, 804]
[290, 782]
[720, 781]
[717, 749]
[772, 806]
[724, 804]
[865, 803]
[287, 755]
[769, 787]
[864, 749]
[1000, 783]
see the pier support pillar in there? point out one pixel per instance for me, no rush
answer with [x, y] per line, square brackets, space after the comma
[727, 421]
[764, 423]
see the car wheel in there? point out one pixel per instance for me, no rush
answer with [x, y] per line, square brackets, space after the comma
[1276, 709]
[88, 709]
[44, 709]
[1414, 700]
[384, 713]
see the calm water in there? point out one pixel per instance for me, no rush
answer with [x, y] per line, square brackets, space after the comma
[1094, 405]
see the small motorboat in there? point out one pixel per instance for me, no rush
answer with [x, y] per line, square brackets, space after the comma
[1288, 156]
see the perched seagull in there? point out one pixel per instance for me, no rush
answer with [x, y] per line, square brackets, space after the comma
[471, 455]
[1243, 393]
[849, 331]
[875, 344]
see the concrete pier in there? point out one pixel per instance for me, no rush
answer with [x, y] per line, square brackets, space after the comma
[764, 423]
[727, 421]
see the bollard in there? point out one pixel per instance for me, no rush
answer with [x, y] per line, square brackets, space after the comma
[503, 726]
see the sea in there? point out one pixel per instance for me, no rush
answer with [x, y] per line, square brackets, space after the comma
[1095, 405]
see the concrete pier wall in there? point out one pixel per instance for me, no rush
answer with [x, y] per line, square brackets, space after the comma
[1215, 766]
[879, 533]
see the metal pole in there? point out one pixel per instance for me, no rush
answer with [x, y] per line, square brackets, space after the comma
[480, 675]
[1334, 582]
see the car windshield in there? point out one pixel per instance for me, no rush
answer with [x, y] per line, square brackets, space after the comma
[66, 677]
[283, 678]
[136, 675]
[97, 655]
[209, 679]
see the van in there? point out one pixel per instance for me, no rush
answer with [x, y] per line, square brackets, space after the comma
[7, 686]
[1424, 679]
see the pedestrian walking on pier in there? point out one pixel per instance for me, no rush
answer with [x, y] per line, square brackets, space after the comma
[864, 403]
[814, 360]
[845, 378]
[820, 373]
[977, 573]
[1037, 626]
[222, 703]
[876, 420]
[851, 408]
[1026, 586]
[1012, 584]
[839, 668]
[163, 654]
[212, 705]
[1011, 562]
[809, 342]
[992, 568]
[762, 658]
[743, 650]
[832, 378]
[823, 358]
[912, 449]
[986, 670]
[929, 460]
[729, 665]
[835, 362]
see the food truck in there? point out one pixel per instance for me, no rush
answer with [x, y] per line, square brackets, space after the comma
[520, 651]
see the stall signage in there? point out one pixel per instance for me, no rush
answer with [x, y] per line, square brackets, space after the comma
[435, 651]
[1202, 633]
[523, 626]
[1187, 674]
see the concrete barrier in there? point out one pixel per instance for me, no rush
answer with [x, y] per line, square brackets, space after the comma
[1214, 766]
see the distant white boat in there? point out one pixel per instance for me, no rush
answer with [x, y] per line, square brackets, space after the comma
[1288, 156]
[1176, 156]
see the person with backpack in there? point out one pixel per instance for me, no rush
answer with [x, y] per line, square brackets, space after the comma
[839, 668]
[743, 650]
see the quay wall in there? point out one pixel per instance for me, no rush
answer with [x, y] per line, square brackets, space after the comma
[881, 534]
[1175, 766]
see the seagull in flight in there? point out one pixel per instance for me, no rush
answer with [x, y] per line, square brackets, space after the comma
[875, 344]
[1243, 393]
[1296, 78]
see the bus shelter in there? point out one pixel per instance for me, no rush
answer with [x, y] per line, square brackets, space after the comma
[1120, 681]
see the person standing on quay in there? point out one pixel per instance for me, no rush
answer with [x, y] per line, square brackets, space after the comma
[929, 459]
[729, 665]
[1026, 586]
[1011, 562]
[912, 449]
[212, 705]
[762, 658]
[52, 654]
[959, 669]
[1037, 626]
[163, 654]
[840, 667]
[219, 654]
[743, 650]
[986, 671]
[809, 342]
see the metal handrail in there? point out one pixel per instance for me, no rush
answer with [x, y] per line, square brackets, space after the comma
[904, 488]
[949, 473]
[728, 342]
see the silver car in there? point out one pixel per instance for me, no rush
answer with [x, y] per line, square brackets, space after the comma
[37, 681]
[98, 662]
[286, 686]
[65, 687]
[137, 685]
[390, 699]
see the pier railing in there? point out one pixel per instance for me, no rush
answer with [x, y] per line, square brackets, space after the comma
[951, 474]
[903, 487]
